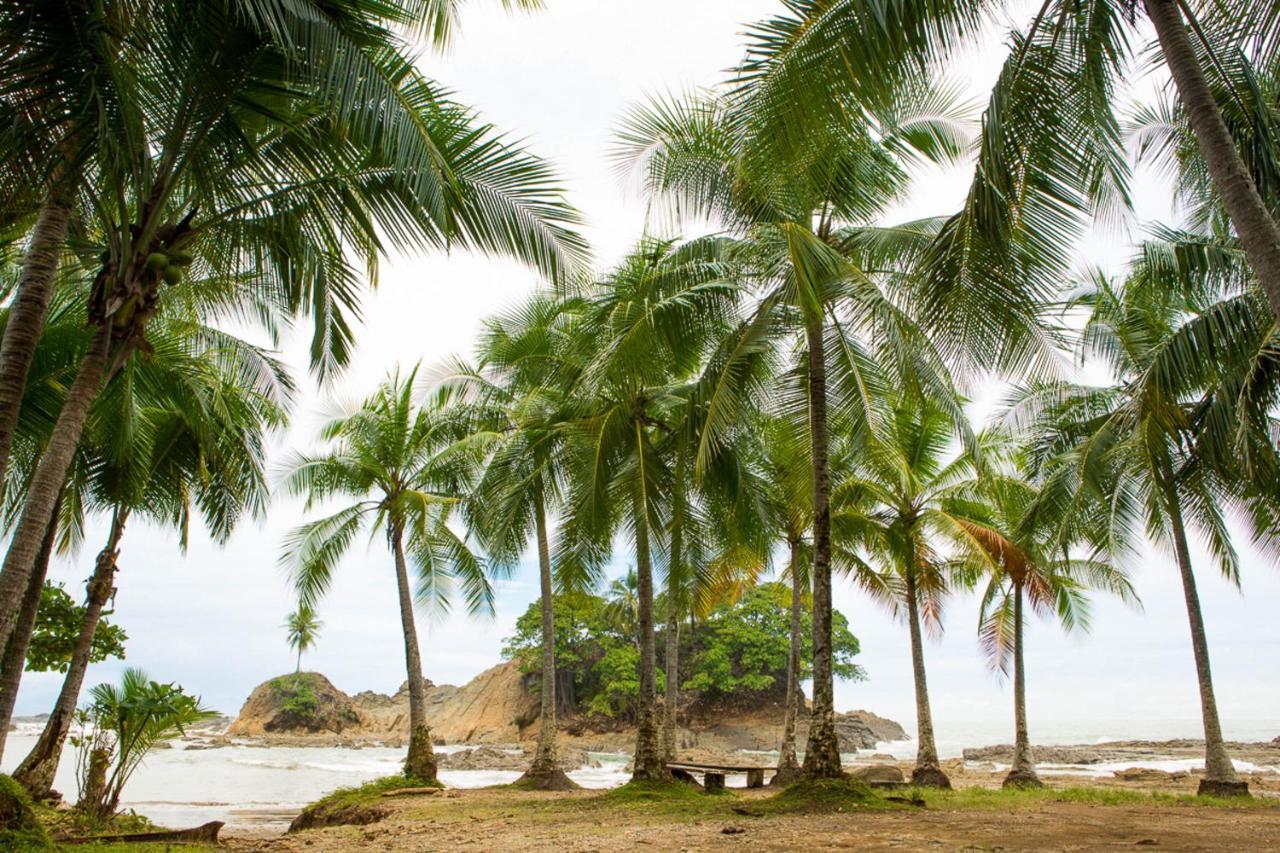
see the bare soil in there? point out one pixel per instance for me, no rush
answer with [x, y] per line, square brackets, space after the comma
[508, 820]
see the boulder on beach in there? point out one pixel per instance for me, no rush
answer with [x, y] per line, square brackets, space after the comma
[878, 773]
[1148, 774]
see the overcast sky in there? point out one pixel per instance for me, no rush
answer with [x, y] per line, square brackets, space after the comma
[560, 79]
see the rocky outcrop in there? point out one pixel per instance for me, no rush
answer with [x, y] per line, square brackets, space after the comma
[493, 707]
[496, 708]
[305, 703]
[864, 730]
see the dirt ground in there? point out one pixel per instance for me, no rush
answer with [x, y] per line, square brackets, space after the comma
[493, 819]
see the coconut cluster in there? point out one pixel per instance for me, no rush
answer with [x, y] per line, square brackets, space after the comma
[169, 264]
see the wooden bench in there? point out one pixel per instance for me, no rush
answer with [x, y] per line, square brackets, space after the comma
[713, 774]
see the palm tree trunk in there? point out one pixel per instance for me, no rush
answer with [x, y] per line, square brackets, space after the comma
[48, 479]
[37, 770]
[15, 653]
[672, 699]
[822, 753]
[788, 766]
[927, 772]
[545, 772]
[1023, 772]
[27, 315]
[297, 670]
[671, 702]
[1257, 229]
[648, 765]
[420, 764]
[1219, 774]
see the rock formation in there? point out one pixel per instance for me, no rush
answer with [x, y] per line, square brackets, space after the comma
[496, 707]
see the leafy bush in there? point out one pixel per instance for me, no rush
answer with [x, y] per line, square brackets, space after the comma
[744, 647]
[117, 730]
[57, 630]
[296, 696]
[740, 650]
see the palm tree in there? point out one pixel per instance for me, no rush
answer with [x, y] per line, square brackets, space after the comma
[404, 466]
[900, 497]
[283, 217]
[1014, 543]
[717, 544]
[787, 476]
[302, 629]
[1052, 151]
[650, 327]
[183, 429]
[1153, 445]
[800, 217]
[517, 398]
[622, 604]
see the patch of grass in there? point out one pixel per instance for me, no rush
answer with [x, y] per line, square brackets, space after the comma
[983, 798]
[635, 793]
[823, 795]
[369, 792]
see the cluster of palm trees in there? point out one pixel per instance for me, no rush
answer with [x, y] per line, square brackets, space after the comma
[792, 383]
[175, 169]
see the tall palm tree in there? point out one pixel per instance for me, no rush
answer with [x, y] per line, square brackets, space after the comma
[302, 629]
[1152, 445]
[801, 222]
[1052, 152]
[1021, 554]
[282, 217]
[900, 515]
[404, 465]
[183, 429]
[717, 543]
[650, 327]
[517, 397]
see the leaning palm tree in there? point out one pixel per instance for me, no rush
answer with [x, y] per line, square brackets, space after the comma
[812, 266]
[404, 464]
[1052, 151]
[1153, 445]
[1020, 554]
[279, 218]
[182, 431]
[302, 629]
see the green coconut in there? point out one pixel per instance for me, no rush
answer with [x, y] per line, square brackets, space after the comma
[172, 275]
[156, 261]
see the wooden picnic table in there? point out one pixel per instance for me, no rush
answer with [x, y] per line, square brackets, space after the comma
[713, 774]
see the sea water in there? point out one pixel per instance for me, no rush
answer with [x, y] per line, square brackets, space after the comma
[262, 787]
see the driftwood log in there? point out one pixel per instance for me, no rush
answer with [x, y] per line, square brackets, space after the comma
[205, 833]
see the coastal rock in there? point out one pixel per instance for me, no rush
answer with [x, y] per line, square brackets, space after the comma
[878, 773]
[864, 730]
[497, 708]
[305, 702]
[324, 814]
[1147, 774]
[494, 707]
[482, 758]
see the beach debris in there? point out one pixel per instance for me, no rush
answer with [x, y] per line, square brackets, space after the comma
[411, 792]
[206, 833]
[732, 830]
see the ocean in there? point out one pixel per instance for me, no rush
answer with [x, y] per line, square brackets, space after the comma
[261, 787]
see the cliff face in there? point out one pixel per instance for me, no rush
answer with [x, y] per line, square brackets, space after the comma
[495, 708]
